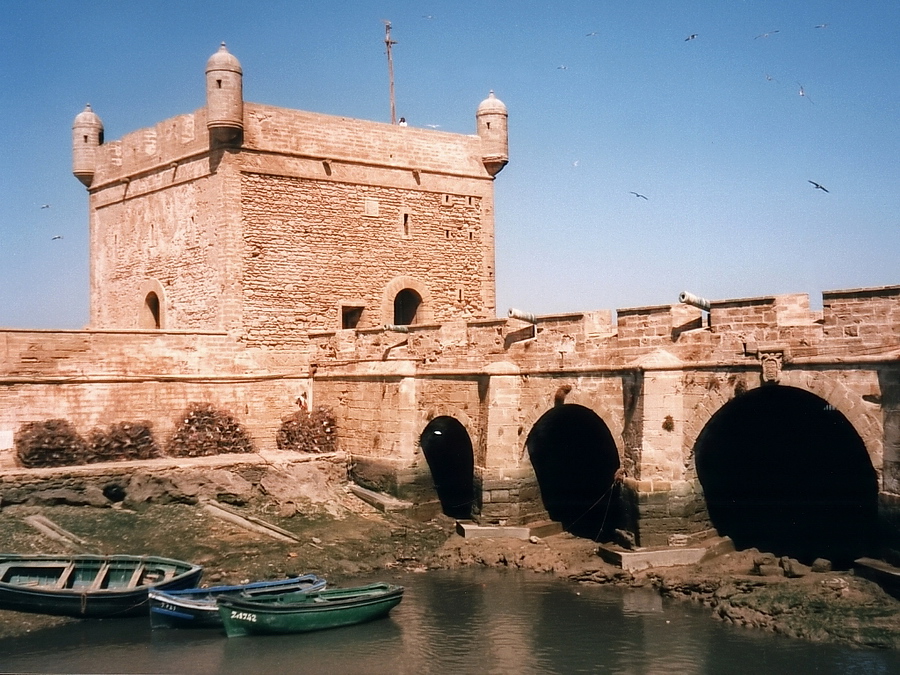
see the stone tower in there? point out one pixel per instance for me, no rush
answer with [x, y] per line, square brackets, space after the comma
[87, 136]
[267, 223]
[491, 123]
[224, 97]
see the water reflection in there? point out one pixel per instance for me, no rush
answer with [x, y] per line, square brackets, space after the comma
[469, 621]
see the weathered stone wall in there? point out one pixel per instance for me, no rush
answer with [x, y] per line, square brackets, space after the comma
[655, 378]
[96, 378]
[298, 233]
[271, 237]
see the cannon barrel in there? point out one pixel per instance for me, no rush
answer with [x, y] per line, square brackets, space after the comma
[695, 300]
[522, 316]
[394, 328]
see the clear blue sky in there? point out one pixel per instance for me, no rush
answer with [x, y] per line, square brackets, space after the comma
[604, 97]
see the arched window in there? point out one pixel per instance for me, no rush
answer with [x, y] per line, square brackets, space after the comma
[406, 305]
[150, 314]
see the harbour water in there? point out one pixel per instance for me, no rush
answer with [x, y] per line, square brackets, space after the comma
[459, 622]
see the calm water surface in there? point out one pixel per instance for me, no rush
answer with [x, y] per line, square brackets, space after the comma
[468, 621]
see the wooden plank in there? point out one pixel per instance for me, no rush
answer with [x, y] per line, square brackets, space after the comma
[255, 525]
[50, 529]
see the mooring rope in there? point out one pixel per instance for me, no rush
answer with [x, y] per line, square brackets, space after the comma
[599, 499]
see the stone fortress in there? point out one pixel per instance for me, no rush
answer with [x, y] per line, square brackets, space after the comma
[247, 255]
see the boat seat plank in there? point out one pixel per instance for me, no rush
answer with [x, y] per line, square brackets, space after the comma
[136, 576]
[66, 575]
[101, 576]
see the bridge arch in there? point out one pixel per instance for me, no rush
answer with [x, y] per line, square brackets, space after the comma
[575, 460]
[784, 471]
[447, 448]
[827, 387]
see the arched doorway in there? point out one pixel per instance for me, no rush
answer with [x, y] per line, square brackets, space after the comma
[406, 306]
[784, 472]
[448, 451]
[575, 461]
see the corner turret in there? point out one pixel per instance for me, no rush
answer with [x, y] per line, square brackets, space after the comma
[224, 97]
[491, 125]
[87, 136]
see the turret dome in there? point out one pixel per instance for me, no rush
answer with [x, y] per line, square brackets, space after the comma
[87, 117]
[224, 60]
[491, 104]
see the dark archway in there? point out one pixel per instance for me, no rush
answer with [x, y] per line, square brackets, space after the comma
[150, 314]
[406, 306]
[448, 451]
[575, 461]
[784, 472]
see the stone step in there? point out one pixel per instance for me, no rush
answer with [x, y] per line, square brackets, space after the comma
[664, 556]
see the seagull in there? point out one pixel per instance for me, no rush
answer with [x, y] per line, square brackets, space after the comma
[562, 67]
[427, 16]
[45, 206]
[433, 126]
[575, 163]
[591, 34]
[765, 35]
[638, 195]
[821, 25]
[692, 36]
[817, 186]
[769, 78]
[58, 236]
[802, 92]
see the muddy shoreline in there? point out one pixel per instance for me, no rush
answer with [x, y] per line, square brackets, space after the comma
[345, 537]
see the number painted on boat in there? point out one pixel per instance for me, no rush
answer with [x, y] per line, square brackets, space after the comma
[243, 616]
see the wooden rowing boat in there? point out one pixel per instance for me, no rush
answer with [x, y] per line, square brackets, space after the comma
[302, 612]
[88, 586]
[196, 607]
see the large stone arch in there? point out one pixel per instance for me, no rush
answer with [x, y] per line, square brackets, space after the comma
[784, 471]
[830, 389]
[425, 312]
[444, 410]
[576, 457]
[573, 392]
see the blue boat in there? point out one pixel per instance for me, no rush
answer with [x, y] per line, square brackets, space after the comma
[196, 607]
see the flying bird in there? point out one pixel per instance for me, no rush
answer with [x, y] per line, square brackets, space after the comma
[765, 35]
[45, 206]
[692, 36]
[817, 186]
[638, 195]
[821, 25]
[591, 34]
[58, 236]
[562, 67]
[769, 78]
[802, 93]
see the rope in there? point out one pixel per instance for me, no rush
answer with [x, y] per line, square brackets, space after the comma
[599, 499]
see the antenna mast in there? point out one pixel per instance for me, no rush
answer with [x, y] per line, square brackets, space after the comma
[388, 42]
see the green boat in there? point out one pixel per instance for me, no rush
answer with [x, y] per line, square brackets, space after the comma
[303, 612]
